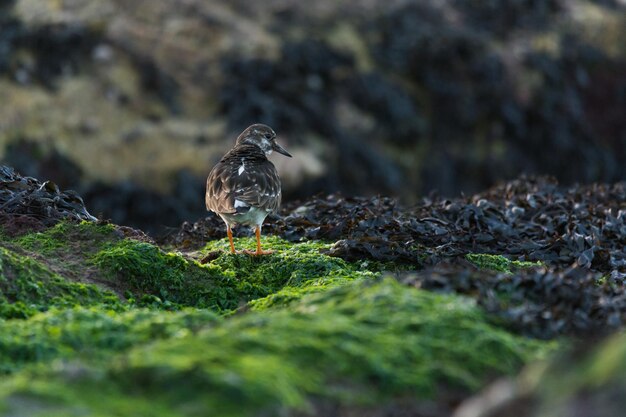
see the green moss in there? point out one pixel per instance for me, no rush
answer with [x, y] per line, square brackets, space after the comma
[28, 286]
[274, 243]
[66, 236]
[287, 295]
[88, 333]
[45, 243]
[67, 247]
[317, 327]
[150, 277]
[353, 344]
[228, 281]
[145, 269]
[498, 262]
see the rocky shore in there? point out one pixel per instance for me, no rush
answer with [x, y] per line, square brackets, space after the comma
[464, 307]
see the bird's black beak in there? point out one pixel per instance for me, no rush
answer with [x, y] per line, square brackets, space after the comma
[280, 149]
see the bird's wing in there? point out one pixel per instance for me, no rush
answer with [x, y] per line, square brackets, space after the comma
[232, 189]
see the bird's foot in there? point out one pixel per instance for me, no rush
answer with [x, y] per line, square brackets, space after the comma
[257, 253]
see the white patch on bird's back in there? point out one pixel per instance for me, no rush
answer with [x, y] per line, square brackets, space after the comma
[239, 203]
[242, 168]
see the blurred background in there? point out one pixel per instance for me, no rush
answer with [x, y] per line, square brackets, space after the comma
[132, 102]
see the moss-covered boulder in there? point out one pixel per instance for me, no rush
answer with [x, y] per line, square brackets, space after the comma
[224, 283]
[90, 257]
[88, 333]
[28, 286]
[355, 344]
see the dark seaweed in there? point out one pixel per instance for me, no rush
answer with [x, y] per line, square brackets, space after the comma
[540, 302]
[529, 219]
[29, 204]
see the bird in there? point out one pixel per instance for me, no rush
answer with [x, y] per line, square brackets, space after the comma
[243, 188]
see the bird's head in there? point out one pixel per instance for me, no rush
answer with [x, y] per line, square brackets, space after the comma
[262, 136]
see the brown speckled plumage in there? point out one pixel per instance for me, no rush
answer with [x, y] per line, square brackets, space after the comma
[257, 186]
[244, 187]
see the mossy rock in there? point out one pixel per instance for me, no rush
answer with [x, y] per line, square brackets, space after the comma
[227, 282]
[88, 333]
[66, 249]
[353, 344]
[28, 286]
[142, 274]
[112, 324]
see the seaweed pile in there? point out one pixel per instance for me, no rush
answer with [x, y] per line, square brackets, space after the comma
[530, 219]
[27, 204]
[542, 302]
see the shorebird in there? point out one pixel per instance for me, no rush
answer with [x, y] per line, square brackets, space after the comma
[244, 187]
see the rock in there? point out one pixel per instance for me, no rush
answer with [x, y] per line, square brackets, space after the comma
[586, 381]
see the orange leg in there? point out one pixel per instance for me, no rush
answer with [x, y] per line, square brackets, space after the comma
[230, 239]
[258, 240]
[258, 251]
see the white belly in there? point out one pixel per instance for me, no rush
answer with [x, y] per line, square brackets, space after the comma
[254, 217]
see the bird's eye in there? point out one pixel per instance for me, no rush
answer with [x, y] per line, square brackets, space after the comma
[268, 135]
